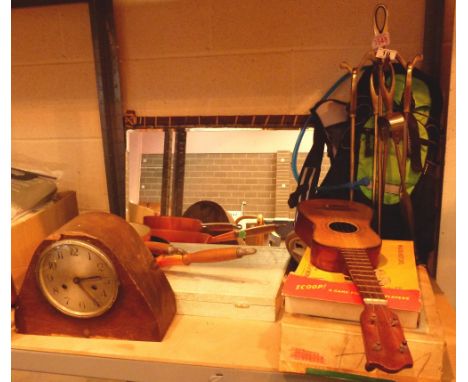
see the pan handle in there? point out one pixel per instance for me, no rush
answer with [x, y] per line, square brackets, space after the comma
[220, 226]
[233, 235]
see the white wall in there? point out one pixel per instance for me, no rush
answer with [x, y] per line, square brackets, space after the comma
[224, 57]
[54, 105]
[446, 261]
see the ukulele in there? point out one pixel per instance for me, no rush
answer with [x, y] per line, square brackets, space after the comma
[341, 240]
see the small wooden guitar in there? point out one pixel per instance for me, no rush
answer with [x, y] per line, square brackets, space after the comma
[339, 235]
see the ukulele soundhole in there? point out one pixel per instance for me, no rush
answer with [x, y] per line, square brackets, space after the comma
[343, 227]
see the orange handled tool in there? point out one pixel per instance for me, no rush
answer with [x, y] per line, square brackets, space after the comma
[158, 248]
[205, 256]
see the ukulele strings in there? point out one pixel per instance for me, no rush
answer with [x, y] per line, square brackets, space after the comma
[362, 256]
[370, 284]
[369, 290]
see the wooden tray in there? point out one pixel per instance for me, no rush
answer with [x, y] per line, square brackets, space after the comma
[247, 288]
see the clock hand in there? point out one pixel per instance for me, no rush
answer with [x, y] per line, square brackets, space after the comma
[77, 281]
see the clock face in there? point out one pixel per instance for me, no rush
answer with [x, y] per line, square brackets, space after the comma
[77, 278]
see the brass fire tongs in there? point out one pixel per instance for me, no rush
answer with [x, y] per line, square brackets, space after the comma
[377, 105]
[378, 155]
[396, 124]
[381, 133]
[386, 123]
[402, 158]
[352, 114]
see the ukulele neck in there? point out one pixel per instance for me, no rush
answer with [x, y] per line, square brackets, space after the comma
[384, 341]
[363, 275]
[344, 242]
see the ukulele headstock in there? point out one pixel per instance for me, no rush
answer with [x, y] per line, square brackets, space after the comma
[384, 342]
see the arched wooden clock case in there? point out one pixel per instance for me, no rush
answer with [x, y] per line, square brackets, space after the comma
[143, 307]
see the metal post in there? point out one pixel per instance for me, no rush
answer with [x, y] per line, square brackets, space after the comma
[166, 173]
[179, 172]
[110, 106]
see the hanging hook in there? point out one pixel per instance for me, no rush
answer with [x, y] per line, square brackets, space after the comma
[381, 34]
[384, 27]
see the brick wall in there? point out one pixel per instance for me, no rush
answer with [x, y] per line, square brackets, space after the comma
[230, 179]
[151, 178]
[283, 184]
[263, 180]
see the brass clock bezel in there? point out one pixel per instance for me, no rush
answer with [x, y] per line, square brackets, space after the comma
[98, 311]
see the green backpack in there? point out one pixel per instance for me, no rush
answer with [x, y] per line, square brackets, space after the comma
[421, 113]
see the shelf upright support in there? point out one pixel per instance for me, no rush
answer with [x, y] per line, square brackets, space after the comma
[105, 47]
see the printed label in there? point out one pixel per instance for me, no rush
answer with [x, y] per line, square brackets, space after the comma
[304, 355]
[381, 40]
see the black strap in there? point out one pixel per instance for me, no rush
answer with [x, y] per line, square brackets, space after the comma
[310, 172]
[414, 143]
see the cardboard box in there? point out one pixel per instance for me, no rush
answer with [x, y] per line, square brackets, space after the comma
[248, 288]
[28, 231]
[315, 292]
[336, 345]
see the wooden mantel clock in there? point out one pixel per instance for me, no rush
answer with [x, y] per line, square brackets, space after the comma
[94, 277]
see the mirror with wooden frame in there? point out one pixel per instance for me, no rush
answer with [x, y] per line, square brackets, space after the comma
[244, 170]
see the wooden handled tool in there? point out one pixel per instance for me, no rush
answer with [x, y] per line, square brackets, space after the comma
[205, 256]
[157, 248]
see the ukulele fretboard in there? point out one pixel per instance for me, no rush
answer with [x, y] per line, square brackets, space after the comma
[363, 276]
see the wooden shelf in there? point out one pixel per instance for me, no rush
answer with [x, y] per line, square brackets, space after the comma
[198, 348]
[193, 346]
[202, 341]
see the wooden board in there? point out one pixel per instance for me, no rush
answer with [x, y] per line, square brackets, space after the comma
[28, 231]
[246, 288]
[319, 343]
[190, 340]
